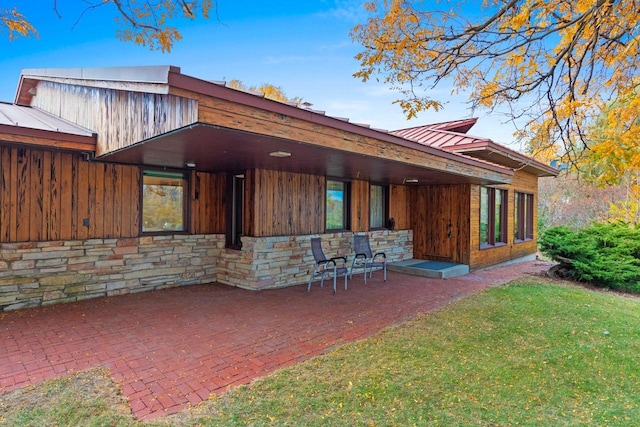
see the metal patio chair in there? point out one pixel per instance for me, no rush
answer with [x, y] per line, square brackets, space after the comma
[324, 266]
[365, 259]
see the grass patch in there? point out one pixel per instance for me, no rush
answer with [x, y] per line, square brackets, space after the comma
[530, 353]
[89, 398]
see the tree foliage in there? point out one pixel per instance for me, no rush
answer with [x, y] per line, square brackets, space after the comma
[269, 91]
[15, 23]
[554, 63]
[147, 23]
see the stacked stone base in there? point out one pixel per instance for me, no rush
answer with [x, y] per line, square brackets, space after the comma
[43, 273]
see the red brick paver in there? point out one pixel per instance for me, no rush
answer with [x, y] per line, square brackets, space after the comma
[171, 348]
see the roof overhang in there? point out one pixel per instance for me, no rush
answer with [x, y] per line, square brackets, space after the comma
[489, 151]
[218, 149]
[33, 127]
[150, 79]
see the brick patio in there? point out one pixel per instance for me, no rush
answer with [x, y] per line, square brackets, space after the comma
[171, 348]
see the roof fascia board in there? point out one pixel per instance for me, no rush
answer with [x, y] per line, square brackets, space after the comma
[143, 74]
[46, 138]
[192, 84]
[150, 79]
[493, 147]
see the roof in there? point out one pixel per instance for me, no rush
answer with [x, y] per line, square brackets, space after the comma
[27, 117]
[446, 140]
[43, 128]
[441, 135]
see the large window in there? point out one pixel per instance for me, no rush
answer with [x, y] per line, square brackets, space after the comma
[163, 208]
[523, 217]
[337, 205]
[378, 202]
[493, 216]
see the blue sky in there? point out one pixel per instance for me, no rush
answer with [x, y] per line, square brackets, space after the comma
[303, 46]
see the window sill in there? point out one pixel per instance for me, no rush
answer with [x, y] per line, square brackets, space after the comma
[522, 241]
[488, 246]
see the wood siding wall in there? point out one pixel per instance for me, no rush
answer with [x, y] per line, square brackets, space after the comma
[399, 206]
[440, 222]
[522, 182]
[208, 202]
[283, 203]
[119, 118]
[288, 204]
[360, 205]
[47, 195]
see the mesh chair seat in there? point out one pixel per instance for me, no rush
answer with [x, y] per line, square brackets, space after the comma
[324, 266]
[365, 259]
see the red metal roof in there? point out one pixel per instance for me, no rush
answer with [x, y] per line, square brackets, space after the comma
[477, 147]
[461, 125]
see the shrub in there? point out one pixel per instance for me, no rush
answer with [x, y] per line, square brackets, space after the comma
[603, 254]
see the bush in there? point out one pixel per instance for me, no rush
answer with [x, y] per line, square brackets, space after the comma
[603, 254]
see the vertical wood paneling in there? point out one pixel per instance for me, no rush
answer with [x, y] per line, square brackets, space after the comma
[81, 198]
[33, 199]
[208, 202]
[54, 222]
[135, 198]
[66, 196]
[359, 205]
[45, 195]
[120, 118]
[22, 216]
[250, 202]
[439, 219]
[125, 195]
[399, 207]
[6, 187]
[47, 183]
[284, 203]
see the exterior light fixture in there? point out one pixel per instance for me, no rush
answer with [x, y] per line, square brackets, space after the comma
[190, 164]
[280, 154]
[410, 181]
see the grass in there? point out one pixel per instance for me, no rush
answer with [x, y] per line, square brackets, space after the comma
[530, 353]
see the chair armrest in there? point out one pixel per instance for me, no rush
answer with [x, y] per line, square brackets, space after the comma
[361, 256]
[344, 259]
[380, 253]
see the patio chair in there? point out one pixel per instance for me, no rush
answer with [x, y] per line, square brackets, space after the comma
[324, 266]
[365, 259]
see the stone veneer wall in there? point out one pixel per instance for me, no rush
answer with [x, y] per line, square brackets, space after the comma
[44, 273]
[274, 262]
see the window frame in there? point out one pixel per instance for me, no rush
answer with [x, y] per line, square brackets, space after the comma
[385, 206]
[523, 217]
[346, 208]
[235, 216]
[185, 201]
[492, 211]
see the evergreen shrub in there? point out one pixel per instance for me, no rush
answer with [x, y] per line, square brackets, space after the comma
[605, 255]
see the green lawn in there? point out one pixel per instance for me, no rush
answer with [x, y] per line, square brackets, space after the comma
[523, 354]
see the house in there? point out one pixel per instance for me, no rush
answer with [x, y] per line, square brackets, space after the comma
[119, 180]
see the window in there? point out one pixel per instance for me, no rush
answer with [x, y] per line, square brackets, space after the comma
[493, 216]
[523, 217]
[378, 202]
[337, 205]
[163, 207]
